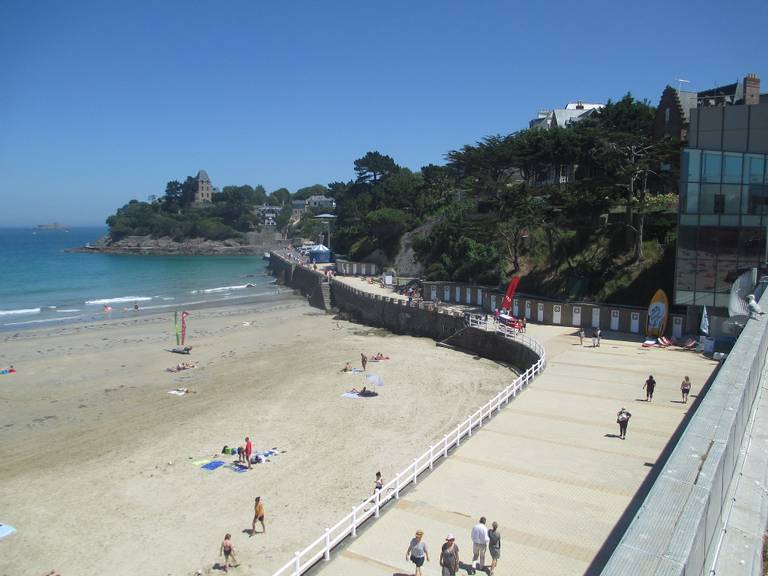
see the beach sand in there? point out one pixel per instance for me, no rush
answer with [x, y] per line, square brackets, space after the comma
[96, 458]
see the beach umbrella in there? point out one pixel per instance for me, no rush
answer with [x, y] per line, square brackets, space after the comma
[374, 379]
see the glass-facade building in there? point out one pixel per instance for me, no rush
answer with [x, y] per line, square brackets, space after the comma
[723, 214]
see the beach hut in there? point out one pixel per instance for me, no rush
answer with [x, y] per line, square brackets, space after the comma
[319, 253]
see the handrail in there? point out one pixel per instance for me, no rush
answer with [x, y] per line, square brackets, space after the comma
[372, 505]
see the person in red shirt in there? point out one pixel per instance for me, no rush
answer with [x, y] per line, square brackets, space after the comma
[248, 450]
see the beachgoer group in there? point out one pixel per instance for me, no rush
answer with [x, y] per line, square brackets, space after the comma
[483, 540]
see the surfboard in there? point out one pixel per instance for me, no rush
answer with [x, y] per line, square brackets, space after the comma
[658, 313]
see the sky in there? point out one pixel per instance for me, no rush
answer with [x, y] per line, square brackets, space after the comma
[102, 101]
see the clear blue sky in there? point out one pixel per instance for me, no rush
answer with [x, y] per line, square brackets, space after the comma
[104, 101]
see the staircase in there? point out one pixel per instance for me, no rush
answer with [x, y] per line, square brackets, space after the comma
[325, 289]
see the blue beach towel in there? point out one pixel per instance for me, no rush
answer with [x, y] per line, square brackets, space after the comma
[212, 465]
[350, 395]
[238, 468]
[6, 530]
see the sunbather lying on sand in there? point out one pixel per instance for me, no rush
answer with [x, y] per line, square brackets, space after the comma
[181, 367]
[347, 367]
[379, 356]
[365, 393]
[9, 370]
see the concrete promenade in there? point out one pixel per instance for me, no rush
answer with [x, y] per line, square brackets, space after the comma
[550, 469]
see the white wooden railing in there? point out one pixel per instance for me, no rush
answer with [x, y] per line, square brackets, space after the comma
[371, 506]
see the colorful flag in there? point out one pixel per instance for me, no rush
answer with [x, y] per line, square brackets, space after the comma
[704, 326]
[506, 304]
[184, 326]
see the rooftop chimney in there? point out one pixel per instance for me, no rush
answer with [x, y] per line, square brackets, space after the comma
[580, 104]
[751, 89]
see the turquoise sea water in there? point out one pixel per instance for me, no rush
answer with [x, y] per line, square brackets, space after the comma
[41, 284]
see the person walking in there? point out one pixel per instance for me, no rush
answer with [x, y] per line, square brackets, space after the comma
[622, 419]
[363, 360]
[594, 338]
[685, 388]
[449, 557]
[494, 545]
[228, 551]
[378, 483]
[248, 450]
[417, 551]
[650, 386]
[599, 334]
[479, 543]
[258, 516]
[581, 336]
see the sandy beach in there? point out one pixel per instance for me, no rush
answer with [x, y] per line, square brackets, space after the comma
[97, 469]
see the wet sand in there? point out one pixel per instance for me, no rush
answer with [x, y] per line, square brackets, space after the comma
[97, 472]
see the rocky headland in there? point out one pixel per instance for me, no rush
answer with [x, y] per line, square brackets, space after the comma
[253, 243]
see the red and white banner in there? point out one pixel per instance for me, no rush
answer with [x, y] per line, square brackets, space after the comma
[507, 302]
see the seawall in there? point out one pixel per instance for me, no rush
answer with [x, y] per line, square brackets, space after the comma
[298, 277]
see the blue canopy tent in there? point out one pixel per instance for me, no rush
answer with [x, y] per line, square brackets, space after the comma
[319, 253]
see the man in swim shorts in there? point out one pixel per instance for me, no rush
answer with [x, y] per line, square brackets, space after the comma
[258, 515]
[248, 450]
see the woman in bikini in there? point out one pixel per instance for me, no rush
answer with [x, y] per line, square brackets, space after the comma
[228, 551]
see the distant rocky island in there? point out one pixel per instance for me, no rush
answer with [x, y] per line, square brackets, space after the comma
[251, 243]
[53, 226]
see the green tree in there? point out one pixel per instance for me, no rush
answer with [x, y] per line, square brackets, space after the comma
[374, 166]
[172, 201]
[280, 197]
[314, 190]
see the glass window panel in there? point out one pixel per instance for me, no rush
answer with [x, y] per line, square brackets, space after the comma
[691, 168]
[757, 198]
[727, 242]
[726, 274]
[707, 243]
[707, 198]
[749, 221]
[729, 220]
[732, 198]
[732, 168]
[753, 168]
[711, 167]
[684, 297]
[722, 300]
[709, 220]
[685, 274]
[751, 244]
[691, 203]
[686, 242]
[691, 219]
[704, 299]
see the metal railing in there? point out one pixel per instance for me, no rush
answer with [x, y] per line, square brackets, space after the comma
[372, 505]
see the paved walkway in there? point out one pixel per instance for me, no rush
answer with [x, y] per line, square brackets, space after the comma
[550, 469]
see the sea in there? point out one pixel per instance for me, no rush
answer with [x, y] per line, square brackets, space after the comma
[42, 284]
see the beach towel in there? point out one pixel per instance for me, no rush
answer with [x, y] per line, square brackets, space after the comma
[238, 467]
[651, 343]
[6, 530]
[177, 392]
[212, 465]
[350, 395]
[200, 462]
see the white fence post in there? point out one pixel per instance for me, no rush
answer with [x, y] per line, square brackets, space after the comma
[415, 471]
[445, 446]
[327, 554]
[354, 522]
[378, 503]
[458, 435]
[298, 562]
[469, 432]
[431, 457]
[397, 486]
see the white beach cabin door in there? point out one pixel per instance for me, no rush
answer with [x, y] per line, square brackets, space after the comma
[516, 308]
[527, 309]
[446, 293]
[677, 326]
[576, 316]
[614, 319]
[469, 296]
[556, 312]
[595, 317]
[433, 293]
[540, 312]
[458, 295]
[634, 326]
[493, 302]
[479, 297]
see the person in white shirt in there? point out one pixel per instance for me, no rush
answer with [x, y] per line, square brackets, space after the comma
[479, 543]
